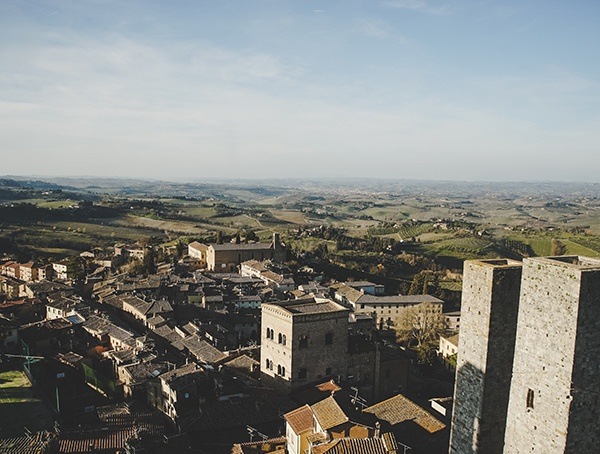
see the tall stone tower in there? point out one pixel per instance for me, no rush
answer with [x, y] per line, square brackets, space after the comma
[490, 305]
[555, 392]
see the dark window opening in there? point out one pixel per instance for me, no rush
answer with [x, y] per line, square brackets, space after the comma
[328, 338]
[303, 341]
[530, 396]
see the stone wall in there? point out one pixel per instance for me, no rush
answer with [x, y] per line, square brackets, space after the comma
[317, 357]
[554, 395]
[489, 311]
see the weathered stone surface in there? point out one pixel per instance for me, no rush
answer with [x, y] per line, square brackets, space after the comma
[486, 347]
[558, 340]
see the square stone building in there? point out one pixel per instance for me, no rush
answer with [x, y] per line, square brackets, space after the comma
[303, 340]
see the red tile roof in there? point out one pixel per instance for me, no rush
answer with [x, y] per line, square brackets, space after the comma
[328, 413]
[385, 444]
[300, 419]
[399, 408]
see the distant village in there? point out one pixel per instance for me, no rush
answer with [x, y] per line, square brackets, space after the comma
[224, 349]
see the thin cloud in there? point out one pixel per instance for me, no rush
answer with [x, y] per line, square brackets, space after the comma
[374, 29]
[420, 6]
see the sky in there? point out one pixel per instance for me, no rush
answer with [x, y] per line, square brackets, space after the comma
[410, 89]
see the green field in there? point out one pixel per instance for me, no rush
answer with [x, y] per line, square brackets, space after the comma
[19, 408]
[480, 220]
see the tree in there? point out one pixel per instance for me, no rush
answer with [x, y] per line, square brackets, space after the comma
[149, 262]
[180, 247]
[321, 250]
[418, 285]
[558, 248]
[249, 235]
[420, 327]
[76, 267]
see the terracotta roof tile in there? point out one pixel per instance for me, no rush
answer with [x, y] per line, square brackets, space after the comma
[300, 419]
[399, 408]
[384, 445]
[328, 386]
[328, 413]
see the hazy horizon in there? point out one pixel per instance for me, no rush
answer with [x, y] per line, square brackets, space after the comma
[273, 180]
[424, 90]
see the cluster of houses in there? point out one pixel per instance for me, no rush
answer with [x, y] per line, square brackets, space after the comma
[225, 345]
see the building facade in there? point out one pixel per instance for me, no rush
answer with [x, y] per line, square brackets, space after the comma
[528, 374]
[303, 340]
[490, 305]
[227, 257]
[554, 401]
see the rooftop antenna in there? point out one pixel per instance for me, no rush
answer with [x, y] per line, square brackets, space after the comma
[357, 400]
[252, 431]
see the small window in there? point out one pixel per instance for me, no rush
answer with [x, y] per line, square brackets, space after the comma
[283, 371]
[530, 396]
[328, 371]
[278, 369]
[302, 373]
[303, 342]
[328, 338]
[283, 339]
[279, 338]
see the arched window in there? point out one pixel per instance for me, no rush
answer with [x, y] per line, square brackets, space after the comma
[283, 371]
[278, 369]
[328, 338]
[283, 339]
[279, 338]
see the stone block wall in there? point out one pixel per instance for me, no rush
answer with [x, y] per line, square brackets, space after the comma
[317, 357]
[556, 377]
[490, 304]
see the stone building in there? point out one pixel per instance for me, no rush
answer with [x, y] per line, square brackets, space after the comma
[307, 339]
[546, 315]
[303, 340]
[388, 310]
[554, 402]
[227, 257]
[490, 304]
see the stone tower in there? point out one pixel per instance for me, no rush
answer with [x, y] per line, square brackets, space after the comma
[555, 392]
[490, 305]
[303, 340]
